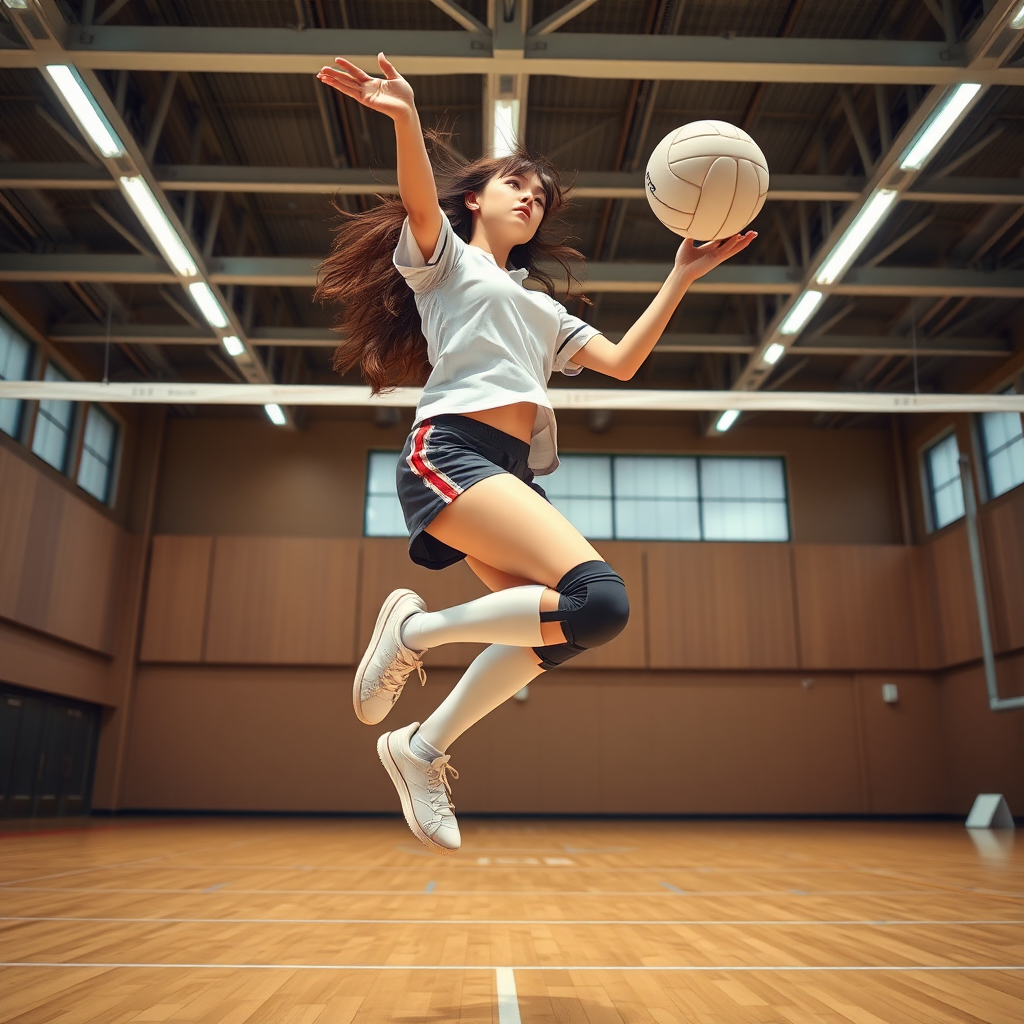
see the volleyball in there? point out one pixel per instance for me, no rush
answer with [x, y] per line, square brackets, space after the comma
[706, 180]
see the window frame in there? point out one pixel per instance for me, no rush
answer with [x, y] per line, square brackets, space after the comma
[612, 456]
[927, 486]
[370, 452]
[115, 460]
[982, 453]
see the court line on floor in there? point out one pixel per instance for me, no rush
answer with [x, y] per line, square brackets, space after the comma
[689, 894]
[682, 968]
[508, 1000]
[853, 922]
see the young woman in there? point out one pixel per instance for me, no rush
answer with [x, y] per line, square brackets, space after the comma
[427, 292]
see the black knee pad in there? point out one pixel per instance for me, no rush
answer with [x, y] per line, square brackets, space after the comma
[592, 607]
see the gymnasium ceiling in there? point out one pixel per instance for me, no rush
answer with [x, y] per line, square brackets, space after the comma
[221, 100]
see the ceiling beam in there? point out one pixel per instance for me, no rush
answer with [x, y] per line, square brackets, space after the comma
[729, 279]
[589, 184]
[669, 343]
[573, 54]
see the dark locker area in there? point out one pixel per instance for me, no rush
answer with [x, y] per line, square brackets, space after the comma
[47, 753]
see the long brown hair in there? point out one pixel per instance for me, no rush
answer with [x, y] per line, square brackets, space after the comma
[381, 327]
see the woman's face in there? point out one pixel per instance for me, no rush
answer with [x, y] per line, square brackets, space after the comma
[511, 207]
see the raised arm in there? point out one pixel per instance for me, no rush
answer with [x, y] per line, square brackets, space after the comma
[393, 96]
[624, 358]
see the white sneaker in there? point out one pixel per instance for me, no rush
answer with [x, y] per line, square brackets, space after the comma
[424, 790]
[387, 662]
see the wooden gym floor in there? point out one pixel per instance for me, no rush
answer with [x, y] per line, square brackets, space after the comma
[339, 920]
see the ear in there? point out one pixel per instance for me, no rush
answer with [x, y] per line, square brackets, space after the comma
[472, 203]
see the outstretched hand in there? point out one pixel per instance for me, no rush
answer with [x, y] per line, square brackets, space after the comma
[697, 260]
[391, 95]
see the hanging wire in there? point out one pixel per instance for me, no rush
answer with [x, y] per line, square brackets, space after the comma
[106, 345]
[913, 341]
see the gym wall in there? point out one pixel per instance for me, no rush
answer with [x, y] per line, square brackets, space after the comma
[748, 681]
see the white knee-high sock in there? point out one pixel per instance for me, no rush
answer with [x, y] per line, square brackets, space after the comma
[494, 675]
[505, 617]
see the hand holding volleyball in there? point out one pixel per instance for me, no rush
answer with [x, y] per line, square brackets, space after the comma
[706, 180]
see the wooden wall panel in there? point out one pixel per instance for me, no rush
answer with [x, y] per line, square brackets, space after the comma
[283, 600]
[386, 567]
[904, 755]
[59, 558]
[721, 606]
[1002, 530]
[86, 576]
[176, 599]
[952, 588]
[857, 607]
[984, 749]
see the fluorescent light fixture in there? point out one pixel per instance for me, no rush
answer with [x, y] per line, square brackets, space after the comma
[233, 344]
[17, 5]
[937, 127]
[208, 304]
[506, 126]
[160, 229]
[856, 235]
[773, 353]
[1018, 19]
[87, 114]
[726, 420]
[276, 415]
[802, 311]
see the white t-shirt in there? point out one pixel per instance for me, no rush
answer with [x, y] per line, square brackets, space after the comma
[490, 341]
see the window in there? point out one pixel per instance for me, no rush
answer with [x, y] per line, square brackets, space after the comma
[96, 470]
[670, 497]
[51, 440]
[15, 360]
[634, 497]
[1003, 441]
[383, 516]
[942, 464]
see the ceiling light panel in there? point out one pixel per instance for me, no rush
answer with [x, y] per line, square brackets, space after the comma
[939, 125]
[208, 305]
[159, 228]
[802, 311]
[726, 420]
[855, 237]
[85, 110]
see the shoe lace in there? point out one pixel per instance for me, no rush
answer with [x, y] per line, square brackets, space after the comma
[440, 787]
[393, 678]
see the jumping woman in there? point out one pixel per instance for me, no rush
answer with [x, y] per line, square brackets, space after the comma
[432, 287]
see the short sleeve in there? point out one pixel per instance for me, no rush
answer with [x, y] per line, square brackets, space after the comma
[424, 274]
[573, 334]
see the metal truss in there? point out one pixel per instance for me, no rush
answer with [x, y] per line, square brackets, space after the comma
[589, 184]
[669, 343]
[748, 279]
[571, 54]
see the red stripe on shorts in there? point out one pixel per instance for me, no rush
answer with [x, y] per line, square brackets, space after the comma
[422, 467]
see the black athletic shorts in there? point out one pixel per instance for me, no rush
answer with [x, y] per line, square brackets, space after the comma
[442, 457]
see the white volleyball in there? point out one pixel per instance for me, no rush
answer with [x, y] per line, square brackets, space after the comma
[706, 180]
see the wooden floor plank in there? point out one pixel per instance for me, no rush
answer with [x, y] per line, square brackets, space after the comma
[550, 898]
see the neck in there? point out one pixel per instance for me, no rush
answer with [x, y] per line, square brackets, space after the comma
[481, 241]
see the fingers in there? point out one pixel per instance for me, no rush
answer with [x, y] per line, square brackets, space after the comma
[357, 73]
[343, 83]
[387, 67]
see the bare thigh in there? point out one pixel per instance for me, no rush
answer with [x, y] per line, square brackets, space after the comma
[512, 537]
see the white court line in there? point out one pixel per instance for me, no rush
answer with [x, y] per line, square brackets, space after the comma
[508, 1001]
[728, 968]
[688, 894]
[431, 922]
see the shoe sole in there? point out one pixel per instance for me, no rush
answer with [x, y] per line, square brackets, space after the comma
[391, 767]
[378, 631]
